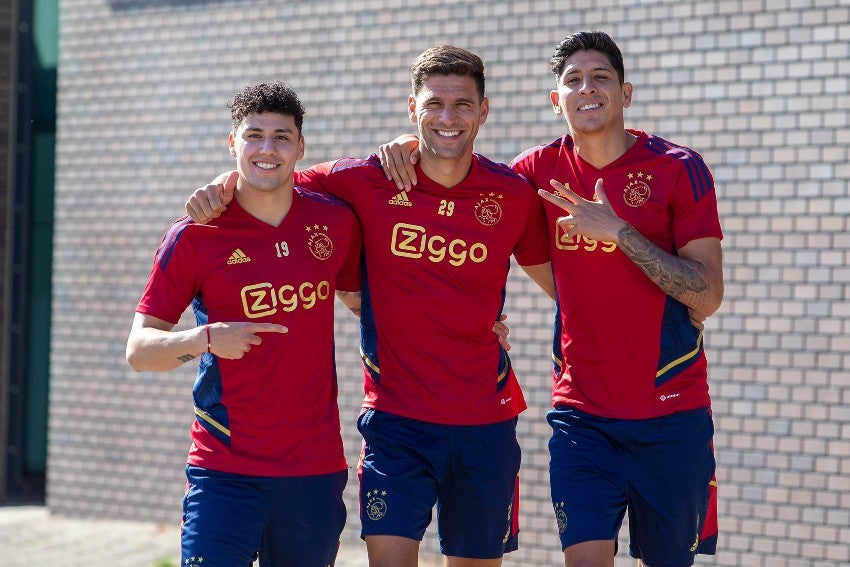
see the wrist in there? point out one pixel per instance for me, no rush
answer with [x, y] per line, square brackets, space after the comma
[206, 337]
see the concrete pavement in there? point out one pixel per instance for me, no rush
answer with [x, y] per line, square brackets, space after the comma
[30, 535]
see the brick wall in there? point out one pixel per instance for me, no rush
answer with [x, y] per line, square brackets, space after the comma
[759, 88]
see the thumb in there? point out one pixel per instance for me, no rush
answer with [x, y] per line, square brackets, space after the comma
[414, 156]
[229, 187]
[600, 191]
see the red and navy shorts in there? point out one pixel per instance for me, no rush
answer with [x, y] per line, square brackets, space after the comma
[469, 471]
[230, 519]
[660, 471]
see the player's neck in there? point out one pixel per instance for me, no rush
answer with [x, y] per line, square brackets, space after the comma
[446, 172]
[602, 148]
[271, 207]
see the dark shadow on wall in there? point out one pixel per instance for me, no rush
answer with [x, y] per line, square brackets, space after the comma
[137, 5]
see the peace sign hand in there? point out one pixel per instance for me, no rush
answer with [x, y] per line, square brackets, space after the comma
[595, 219]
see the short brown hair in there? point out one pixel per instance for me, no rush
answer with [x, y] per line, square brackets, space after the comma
[446, 60]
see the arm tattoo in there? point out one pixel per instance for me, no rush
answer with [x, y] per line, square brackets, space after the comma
[185, 357]
[676, 276]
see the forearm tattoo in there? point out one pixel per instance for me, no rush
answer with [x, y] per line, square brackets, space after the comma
[674, 275]
[185, 358]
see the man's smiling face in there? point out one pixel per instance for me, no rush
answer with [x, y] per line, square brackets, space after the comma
[589, 94]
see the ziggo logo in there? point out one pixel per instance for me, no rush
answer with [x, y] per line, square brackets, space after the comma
[412, 241]
[263, 300]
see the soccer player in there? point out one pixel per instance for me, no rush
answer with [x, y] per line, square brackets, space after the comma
[266, 442]
[441, 404]
[635, 246]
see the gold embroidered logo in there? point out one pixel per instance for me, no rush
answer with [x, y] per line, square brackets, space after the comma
[488, 211]
[238, 257]
[264, 299]
[696, 541]
[412, 241]
[319, 243]
[561, 516]
[376, 507]
[401, 199]
[510, 518]
[637, 190]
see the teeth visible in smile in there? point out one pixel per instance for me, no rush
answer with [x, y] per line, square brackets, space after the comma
[449, 133]
[262, 165]
[589, 106]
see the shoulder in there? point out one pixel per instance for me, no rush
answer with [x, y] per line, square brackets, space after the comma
[185, 229]
[688, 161]
[174, 235]
[320, 199]
[331, 204]
[660, 146]
[181, 226]
[372, 164]
[542, 150]
[501, 170]
[511, 183]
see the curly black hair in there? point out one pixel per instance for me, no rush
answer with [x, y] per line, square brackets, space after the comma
[274, 96]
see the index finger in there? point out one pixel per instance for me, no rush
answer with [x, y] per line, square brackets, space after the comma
[268, 328]
[555, 200]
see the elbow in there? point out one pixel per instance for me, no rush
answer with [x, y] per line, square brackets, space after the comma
[133, 359]
[716, 298]
[711, 304]
[711, 308]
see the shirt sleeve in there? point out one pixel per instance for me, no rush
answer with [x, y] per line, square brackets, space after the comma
[533, 246]
[173, 281]
[695, 204]
[350, 276]
[315, 178]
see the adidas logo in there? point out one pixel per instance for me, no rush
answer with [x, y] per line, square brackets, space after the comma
[401, 199]
[238, 257]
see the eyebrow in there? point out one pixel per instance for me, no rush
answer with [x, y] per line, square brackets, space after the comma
[441, 99]
[601, 68]
[277, 130]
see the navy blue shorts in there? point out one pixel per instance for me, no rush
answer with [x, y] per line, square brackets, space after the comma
[230, 519]
[468, 471]
[659, 469]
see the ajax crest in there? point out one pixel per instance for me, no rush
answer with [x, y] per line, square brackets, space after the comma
[637, 191]
[487, 210]
[320, 244]
[376, 507]
[561, 516]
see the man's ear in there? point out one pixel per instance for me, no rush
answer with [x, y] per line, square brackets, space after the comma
[411, 108]
[231, 143]
[485, 111]
[553, 98]
[628, 89]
